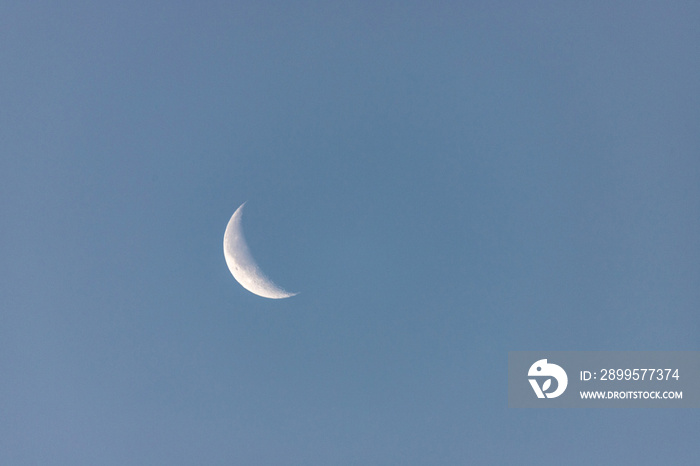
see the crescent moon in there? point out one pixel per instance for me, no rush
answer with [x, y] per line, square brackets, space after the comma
[242, 265]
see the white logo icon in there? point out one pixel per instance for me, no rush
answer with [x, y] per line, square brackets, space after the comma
[543, 369]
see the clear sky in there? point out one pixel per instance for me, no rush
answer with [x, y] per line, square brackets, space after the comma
[443, 182]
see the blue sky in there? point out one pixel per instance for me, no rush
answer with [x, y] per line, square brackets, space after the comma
[442, 183]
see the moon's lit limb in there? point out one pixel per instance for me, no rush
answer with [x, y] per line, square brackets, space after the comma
[242, 265]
